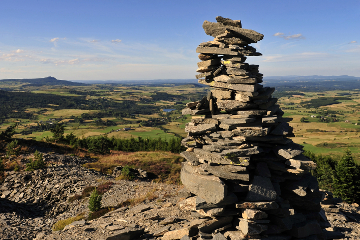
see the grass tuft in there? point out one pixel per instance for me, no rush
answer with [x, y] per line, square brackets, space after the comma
[60, 225]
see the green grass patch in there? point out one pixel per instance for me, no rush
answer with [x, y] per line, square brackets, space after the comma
[157, 133]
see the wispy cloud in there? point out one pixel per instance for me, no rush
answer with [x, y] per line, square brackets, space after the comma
[54, 39]
[94, 41]
[352, 42]
[116, 41]
[19, 51]
[288, 37]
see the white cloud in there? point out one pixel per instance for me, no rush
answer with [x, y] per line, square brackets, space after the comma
[94, 41]
[116, 41]
[288, 37]
[54, 39]
[279, 34]
[19, 51]
[352, 42]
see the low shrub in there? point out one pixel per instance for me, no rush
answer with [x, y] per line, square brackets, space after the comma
[37, 163]
[103, 188]
[59, 225]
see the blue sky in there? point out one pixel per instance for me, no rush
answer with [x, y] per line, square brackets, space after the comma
[156, 39]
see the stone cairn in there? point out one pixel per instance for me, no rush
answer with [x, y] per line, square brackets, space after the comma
[245, 173]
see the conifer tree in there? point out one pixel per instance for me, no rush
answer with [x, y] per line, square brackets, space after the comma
[346, 179]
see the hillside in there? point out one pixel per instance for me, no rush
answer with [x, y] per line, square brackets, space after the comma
[10, 84]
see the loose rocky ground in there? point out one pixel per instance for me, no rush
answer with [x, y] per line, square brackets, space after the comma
[31, 202]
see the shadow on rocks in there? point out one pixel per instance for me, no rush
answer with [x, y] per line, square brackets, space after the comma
[22, 209]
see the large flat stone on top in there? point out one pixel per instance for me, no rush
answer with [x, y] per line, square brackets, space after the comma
[261, 189]
[212, 189]
[215, 29]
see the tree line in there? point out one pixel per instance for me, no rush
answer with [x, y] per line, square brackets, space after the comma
[338, 176]
[103, 144]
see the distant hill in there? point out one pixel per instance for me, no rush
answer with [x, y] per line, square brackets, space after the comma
[313, 83]
[39, 82]
[142, 82]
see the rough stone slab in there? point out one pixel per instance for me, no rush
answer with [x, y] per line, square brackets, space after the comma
[211, 212]
[250, 228]
[250, 131]
[210, 62]
[228, 21]
[237, 71]
[301, 162]
[270, 120]
[269, 139]
[236, 79]
[231, 105]
[190, 157]
[199, 129]
[216, 50]
[227, 172]
[221, 94]
[215, 29]
[261, 189]
[310, 228]
[205, 156]
[196, 120]
[230, 64]
[227, 142]
[258, 205]
[240, 152]
[237, 121]
[251, 113]
[235, 235]
[202, 204]
[237, 87]
[287, 223]
[305, 185]
[234, 58]
[178, 234]
[254, 214]
[204, 75]
[270, 103]
[187, 111]
[210, 188]
[289, 152]
[126, 234]
[219, 236]
[211, 225]
[264, 93]
[206, 69]
[282, 129]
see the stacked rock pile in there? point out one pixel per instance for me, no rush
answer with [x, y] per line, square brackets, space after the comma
[240, 161]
